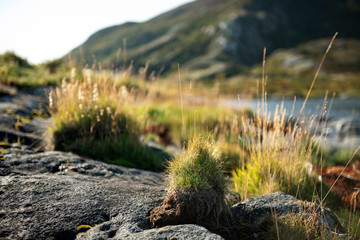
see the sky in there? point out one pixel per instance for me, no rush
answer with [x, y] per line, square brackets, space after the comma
[42, 30]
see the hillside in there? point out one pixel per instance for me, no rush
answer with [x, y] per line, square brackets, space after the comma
[290, 71]
[218, 36]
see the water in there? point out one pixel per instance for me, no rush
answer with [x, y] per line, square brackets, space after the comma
[343, 117]
[341, 108]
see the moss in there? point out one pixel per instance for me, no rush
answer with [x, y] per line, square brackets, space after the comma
[83, 228]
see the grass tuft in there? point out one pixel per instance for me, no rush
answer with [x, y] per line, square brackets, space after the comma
[199, 168]
[278, 159]
[95, 118]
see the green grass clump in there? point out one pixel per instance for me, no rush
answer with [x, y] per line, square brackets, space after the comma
[199, 168]
[95, 118]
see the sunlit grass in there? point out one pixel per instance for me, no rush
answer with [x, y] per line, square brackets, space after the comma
[278, 159]
[198, 168]
[96, 118]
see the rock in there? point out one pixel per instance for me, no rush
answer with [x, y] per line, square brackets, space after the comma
[48, 195]
[188, 231]
[13, 136]
[7, 120]
[7, 90]
[157, 148]
[29, 133]
[19, 119]
[22, 104]
[252, 210]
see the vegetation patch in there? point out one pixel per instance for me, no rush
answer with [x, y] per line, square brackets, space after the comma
[95, 118]
[17, 71]
[292, 226]
[199, 168]
[222, 123]
[278, 160]
[197, 191]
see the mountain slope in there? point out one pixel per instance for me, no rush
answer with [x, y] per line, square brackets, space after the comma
[212, 36]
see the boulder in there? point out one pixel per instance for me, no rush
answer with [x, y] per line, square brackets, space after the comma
[253, 210]
[128, 231]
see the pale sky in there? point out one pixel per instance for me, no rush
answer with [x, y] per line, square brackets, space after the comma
[41, 30]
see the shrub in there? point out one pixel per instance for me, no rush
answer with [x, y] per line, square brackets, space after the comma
[10, 58]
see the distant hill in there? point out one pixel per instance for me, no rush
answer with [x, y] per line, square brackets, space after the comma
[209, 37]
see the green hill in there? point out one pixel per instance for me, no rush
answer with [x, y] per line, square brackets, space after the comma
[208, 37]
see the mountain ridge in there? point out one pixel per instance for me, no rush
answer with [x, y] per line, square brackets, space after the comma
[215, 36]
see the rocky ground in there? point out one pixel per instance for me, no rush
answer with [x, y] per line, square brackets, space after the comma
[48, 195]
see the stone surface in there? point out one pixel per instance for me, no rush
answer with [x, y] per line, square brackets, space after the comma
[253, 209]
[22, 103]
[128, 231]
[20, 118]
[48, 195]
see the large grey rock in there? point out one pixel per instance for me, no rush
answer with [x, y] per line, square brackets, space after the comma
[127, 231]
[254, 209]
[48, 195]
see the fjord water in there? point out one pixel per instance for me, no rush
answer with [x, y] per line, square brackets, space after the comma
[343, 117]
[340, 108]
